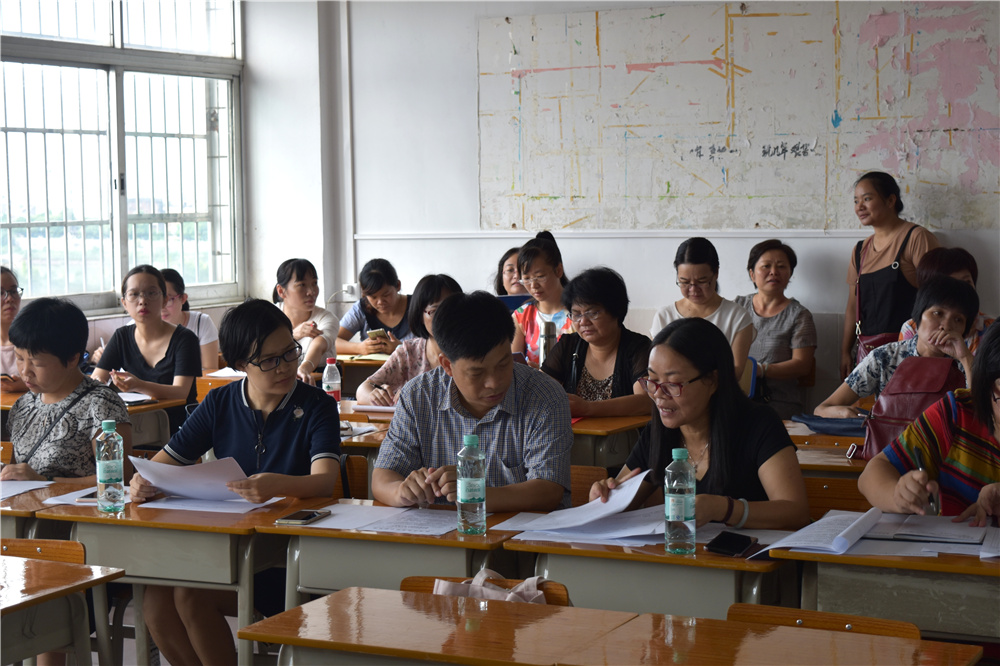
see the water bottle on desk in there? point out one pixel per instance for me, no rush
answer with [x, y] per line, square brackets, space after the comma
[679, 491]
[110, 469]
[331, 378]
[471, 487]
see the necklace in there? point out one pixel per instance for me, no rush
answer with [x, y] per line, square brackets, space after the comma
[697, 462]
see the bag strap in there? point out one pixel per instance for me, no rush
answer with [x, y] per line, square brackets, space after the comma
[902, 248]
[858, 255]
[56, 420]
[345, 483]
[574, 372]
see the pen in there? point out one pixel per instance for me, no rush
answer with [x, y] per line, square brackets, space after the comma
[102, 341]
[918, 458]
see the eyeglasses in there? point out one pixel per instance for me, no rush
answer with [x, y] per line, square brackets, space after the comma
[172, 299]
[11, 293]
[291, 356]
[697, 284]
[133, 296]
[673, 389]
[510, 270]
[539, 280]
[590, 315]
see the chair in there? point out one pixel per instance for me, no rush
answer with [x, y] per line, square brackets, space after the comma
[51, 550]
[555, 593]
[795, 617]
[150, 430]
[6, 452]
[748, 380]
[356, 473]
[581, 478]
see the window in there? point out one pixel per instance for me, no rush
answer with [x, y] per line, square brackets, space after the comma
[119, 130]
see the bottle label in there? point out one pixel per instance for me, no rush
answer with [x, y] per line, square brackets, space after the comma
[471, 491]
[109, 471]
[680, 507]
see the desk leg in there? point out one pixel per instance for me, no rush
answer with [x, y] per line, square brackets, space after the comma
[244, 649]
[292, 596]
[103, 636]
[809, 598]
[141, 633]
[81, 628]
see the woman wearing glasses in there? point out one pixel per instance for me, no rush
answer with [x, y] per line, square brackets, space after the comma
[151, 356]
[285, 436]
[177, 311]
[697, 266]
[416, 355]
[10, 305]
[745, 465]
[540, 265]
[599, 365]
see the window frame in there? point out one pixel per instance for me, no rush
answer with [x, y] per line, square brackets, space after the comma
[116, 60]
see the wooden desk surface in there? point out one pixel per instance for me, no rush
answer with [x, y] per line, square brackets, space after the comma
[842, 442]
[828, 460]
[654, 553]
[7, 400]
[943, 563]
[672, 639]
[206, 384]
[192, 521]
[418, 625]
[26, 504]
[348, 413]
[25, 583]
[609, 425]
[369, 440]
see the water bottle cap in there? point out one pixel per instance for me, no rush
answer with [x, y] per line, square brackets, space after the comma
[332, 360]
[108, 426]
[680, 454]
[471, 440]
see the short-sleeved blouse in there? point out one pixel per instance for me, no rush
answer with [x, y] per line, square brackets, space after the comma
[8, 360]
[406, 362]
[356, 321]
[326, 323]
[530, 318]
[729, 317]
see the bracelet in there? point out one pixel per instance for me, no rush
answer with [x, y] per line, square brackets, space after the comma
[746, 514]
[729, 510]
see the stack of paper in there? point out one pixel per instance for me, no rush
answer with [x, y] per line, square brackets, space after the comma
[11, 488]
[197, 487]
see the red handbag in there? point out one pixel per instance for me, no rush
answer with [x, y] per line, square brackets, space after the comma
[917, 384]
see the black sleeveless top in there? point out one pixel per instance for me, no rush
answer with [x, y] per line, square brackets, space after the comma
[885, 297]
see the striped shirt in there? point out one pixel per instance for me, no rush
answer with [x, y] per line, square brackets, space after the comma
[960, 453]
[527, 436]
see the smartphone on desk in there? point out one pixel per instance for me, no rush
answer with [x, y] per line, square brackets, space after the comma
[303, 517]
[731, 544]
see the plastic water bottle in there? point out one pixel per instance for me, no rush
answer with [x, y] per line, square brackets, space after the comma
[110, 469]
[679, 492]
[331, 378]
[471, 487]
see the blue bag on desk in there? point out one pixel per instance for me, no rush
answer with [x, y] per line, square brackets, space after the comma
[843, 427]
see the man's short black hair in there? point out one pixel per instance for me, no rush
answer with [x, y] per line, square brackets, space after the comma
[948, 292]
[472, 325]
[51, 326]
[245, 328]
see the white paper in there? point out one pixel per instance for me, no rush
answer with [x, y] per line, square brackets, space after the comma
[991, 544]
[375, 408]
[796, 428]
[882, 547]
[11, 488]
[358, 429]
[212, 506]
[70, 498]
[517, 523]
[131, 397]
[939, 528]
[423, 522]
[833, 533]
[618, 501]
[205, 481]
[951, 548]
[642, 522]
[354, 516]
[226, 373]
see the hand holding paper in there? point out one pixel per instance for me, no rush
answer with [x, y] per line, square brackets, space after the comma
[206, 481]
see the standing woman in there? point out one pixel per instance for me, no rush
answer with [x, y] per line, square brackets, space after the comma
[156, 357]
[10, 304]
[785, 345]
[540, 265]
[177, 311]
[697, 266]
[879, 301]
[314, 327]
[381, 307]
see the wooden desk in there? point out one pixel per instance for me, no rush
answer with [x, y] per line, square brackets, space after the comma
[649, 579]
[183, 548]
[17, 513]
[43, 606]
[205, 384]
[672, 639]
[953, 596]
[348, 413]
[831, 481]
[7, 400]
[605, 441]
[359, 625]
[321, 561]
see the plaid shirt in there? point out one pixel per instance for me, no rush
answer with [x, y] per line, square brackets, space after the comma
[527, 436]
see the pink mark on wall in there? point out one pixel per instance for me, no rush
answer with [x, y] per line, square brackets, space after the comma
[877, 30]
[958, 63]
[521, 73]
[880, 28]
[650, 66]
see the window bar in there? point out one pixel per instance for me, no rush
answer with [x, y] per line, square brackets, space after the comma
[45, 161]
[65, 215]
[166, 170]
[83, 189]
[176, 37]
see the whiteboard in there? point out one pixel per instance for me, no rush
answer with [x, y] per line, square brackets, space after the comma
[706, 116]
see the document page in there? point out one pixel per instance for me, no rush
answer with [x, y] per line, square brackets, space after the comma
[391, 409]
[11, 488]
[211, 506]
[618, 501]
[834, 533]
[70, 498]
[422, 522]
[132, 398]
[205, 481]
[355, 516]
[641, 522]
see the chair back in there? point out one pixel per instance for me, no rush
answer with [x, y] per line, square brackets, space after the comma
[6, 452]
[795, 617]
[355, 470]
[748, 380]
[555, 593]
[581, 478]
[53, 550]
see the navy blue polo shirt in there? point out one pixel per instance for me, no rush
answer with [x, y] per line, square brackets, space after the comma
[303, 428]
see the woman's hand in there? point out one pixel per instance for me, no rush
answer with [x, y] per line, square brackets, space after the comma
[12, 385]
[951, 343]
[988, 504]
[709, 508]
[96, 356]
[306, 329]
[578, 406]
[374, 346]
[125, 381]
[140, 489]
[304, 372]
[603, 488]
[390, 345]
[913, 492]
[20, 472]
[382, 396]
[257, 488]
[846, 364]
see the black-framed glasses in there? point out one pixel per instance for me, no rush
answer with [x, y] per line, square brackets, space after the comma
[673, 389]
[271, 363]
[540, 280]
[16, 292]
[150, 294]
[589, 315]
[697, 284]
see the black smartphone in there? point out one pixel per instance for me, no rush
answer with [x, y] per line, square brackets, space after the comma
[731, 544]
[302, 517]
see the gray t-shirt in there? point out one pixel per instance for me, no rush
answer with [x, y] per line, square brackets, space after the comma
[777, 336]
[68, 450]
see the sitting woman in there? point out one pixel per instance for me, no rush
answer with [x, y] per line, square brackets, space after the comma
[958, 439]
[54, 425]
[151, 356]
[507, 281]
[297, 435]
[697, 266]
[946, 309]
[785, 345]
[954, 262]
[540, 264]
[416, 355]
[600, 365]
[314, 327]
[177, 311]
[745, 465]
[10, 303]
[381, 308]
